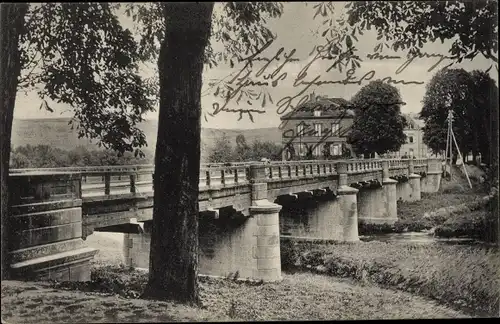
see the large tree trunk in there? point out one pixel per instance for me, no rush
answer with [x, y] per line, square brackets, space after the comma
[173, 268]
[11, 26]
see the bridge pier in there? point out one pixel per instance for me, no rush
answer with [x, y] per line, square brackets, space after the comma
[347, 200]
[389, 196]
[322, 220]
[379, 205]
[432, 181]
[414, 182]
[403, 190]
[45, 228]
[370, 204]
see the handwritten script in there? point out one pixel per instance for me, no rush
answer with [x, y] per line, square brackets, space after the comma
[272, 72]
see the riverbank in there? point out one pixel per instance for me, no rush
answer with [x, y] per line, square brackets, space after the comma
[111, 297]
[455, 210]
[463, 277]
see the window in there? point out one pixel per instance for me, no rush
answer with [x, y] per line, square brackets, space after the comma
[317, 129]
[410, 139]
[302, 149]
[335, 149]
[300, 130]
[317, 113]
[317, 151]
[335, 128]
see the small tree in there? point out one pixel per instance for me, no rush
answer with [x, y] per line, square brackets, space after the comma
[378, 124]
[449, 89]
[222, 151]
[485, 94]
[242, 149]
[268, 150]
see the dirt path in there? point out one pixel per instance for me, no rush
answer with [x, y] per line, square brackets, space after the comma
[298, 296]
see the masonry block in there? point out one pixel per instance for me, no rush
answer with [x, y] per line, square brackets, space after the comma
[45, 228]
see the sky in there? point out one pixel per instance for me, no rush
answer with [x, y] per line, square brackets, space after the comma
[295, 29]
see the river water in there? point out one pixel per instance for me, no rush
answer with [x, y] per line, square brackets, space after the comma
[418, 238]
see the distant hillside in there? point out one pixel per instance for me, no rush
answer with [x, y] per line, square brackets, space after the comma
[58, 133]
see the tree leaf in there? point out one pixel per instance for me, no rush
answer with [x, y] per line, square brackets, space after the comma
[348, 41]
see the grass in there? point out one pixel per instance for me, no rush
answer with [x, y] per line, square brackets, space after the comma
[464, 277]
[452, 193]
[111, 296]
[411, 214]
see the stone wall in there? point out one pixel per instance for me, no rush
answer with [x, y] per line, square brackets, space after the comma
[45, 225]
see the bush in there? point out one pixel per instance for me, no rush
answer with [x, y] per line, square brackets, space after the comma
[46, 156]
[113, 280]
[288, 254]
[370, 229]
[466, 277]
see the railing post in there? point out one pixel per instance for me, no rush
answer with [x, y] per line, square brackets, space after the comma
[133, 178]
[223, 177]
[107, 184]
[385, 169]
[411, 166]
[207, 178]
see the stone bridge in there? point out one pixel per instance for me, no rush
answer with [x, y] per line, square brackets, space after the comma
[241, 216]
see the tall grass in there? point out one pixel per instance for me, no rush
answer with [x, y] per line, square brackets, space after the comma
[466, 277]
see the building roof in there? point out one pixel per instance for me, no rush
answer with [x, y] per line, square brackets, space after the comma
[329, 107]
[413, 123]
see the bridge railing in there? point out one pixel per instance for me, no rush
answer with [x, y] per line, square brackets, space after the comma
[298, 169]
[224, 175]
[420, 162]
[116, 180]
[360, 166]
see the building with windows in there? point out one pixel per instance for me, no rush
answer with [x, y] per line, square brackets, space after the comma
[317, 129]
[414, 146]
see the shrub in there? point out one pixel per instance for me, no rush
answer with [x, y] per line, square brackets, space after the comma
[121, 280]
[288, 254]
[370, 229]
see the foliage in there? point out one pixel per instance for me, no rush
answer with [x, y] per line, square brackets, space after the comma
[80, 55]
[473, 224]
[378, 124]
[449, 89]
[473, 26]
[264, 149]
[485, 95]
[223, 152]
[466, 277]
[45, 156]
[242, 149]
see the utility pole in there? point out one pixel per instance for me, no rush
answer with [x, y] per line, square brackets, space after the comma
[450, 140]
